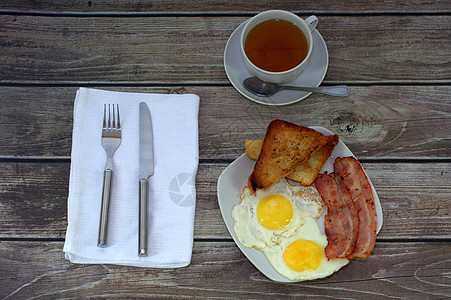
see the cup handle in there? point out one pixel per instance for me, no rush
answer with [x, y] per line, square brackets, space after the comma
[311, 22]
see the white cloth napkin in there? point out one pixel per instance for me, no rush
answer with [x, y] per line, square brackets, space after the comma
[171, 202]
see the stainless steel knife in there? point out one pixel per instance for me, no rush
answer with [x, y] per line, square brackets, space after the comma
[146, 166]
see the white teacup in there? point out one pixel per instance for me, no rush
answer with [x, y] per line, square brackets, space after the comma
[306, 26]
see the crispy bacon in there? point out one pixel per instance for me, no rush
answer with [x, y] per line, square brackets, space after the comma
[357, 183]
[341, 221]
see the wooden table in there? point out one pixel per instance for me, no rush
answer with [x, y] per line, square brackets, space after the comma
[395, 56]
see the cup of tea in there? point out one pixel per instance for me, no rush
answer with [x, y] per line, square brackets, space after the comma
[277, 45]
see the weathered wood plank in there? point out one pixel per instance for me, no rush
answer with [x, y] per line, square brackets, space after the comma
[190, 49]
[414, 197]
[180, 6]
[374, 121]
[394, 270]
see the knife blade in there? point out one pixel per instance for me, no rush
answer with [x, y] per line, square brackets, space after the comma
[146, 169]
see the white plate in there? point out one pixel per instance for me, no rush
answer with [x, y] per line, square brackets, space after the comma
[312, 76]
[231, 183]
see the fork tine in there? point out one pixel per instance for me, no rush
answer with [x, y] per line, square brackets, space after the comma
[118, 119]
[109, 116]
[104, 116]
[114, 119]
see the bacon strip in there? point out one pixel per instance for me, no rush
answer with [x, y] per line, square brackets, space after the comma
[359, 187]
[341, 221]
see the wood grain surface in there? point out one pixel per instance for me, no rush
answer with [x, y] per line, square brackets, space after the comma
[40, 49]
[390, 122]
[36, 206]
[229, 7]
[411, 270]
[394, 55]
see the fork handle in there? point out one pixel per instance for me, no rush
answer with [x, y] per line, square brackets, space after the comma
[106, 194]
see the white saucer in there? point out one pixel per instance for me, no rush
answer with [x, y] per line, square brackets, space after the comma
[312, 76]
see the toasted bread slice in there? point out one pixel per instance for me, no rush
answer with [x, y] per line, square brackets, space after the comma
[253, 148]
[306, 172]
[285, 146]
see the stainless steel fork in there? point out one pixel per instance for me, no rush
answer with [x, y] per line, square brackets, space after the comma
[111, 139]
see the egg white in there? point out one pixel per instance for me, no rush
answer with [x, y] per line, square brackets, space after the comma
[309, 231]
[306, 202]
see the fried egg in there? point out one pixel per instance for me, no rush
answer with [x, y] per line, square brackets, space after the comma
[269, 216]
[301, 257]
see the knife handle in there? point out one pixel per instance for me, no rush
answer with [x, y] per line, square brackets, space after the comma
[142, 243]
[106, 193]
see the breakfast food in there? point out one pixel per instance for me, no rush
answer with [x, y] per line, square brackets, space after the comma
[341, 222]
[301, 257]
[306, 172]
[270, 215]
[283, 220]
[348, 184]
[253, 148]
[285, 146]
[359, 187]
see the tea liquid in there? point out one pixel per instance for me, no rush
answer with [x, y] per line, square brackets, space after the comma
[276, 45]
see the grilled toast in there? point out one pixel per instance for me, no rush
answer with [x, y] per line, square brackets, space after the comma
[285, 146]
[306, 172]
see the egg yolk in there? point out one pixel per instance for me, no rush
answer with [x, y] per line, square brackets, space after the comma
[274, 211]
[303, 255]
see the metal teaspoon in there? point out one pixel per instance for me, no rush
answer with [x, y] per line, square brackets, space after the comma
[265, 88]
